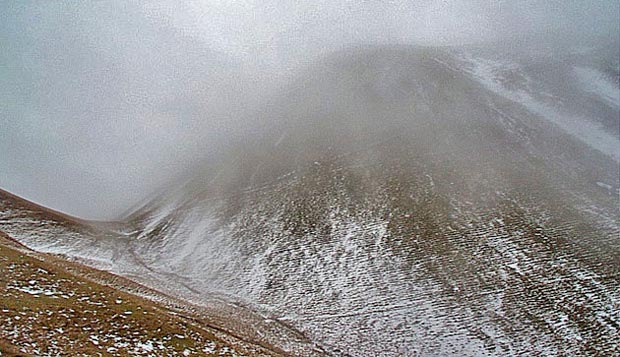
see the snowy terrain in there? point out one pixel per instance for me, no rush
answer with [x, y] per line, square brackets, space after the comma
[404, 201]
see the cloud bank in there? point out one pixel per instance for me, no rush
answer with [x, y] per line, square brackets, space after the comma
[103, 102]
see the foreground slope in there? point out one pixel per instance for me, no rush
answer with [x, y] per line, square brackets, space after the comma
[50, 308]
[54, 304]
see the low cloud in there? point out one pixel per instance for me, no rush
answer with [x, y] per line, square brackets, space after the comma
[103, 102]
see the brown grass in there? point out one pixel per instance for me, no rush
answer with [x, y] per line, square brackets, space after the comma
[48, 309]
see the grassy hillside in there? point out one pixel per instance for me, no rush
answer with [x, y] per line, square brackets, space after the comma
[49, 306]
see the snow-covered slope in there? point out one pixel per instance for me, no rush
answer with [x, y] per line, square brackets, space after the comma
[408, 201]
[576, 89]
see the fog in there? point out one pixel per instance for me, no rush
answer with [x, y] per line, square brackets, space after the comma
[101, 103]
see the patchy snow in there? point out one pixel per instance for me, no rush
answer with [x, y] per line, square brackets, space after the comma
[35, 289]
[595, 82]
[488, 71]
[146, 346]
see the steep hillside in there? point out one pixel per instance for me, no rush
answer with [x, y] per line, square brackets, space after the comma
[397, 203]
[401, 201]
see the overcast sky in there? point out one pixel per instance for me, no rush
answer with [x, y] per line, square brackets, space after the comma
[102, 102]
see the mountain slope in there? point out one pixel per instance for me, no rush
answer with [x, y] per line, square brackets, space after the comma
[395, 204]
[94, 243]
[403, 201]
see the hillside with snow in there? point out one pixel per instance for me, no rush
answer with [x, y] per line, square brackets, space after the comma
[398, 201]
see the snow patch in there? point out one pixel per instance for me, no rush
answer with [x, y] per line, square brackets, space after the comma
[595, 82]
[487, 71]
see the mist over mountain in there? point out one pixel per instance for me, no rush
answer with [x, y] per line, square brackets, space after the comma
[390, 192]
[402, 200]
[105, 102]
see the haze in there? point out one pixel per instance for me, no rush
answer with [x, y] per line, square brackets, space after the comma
[101, 103]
